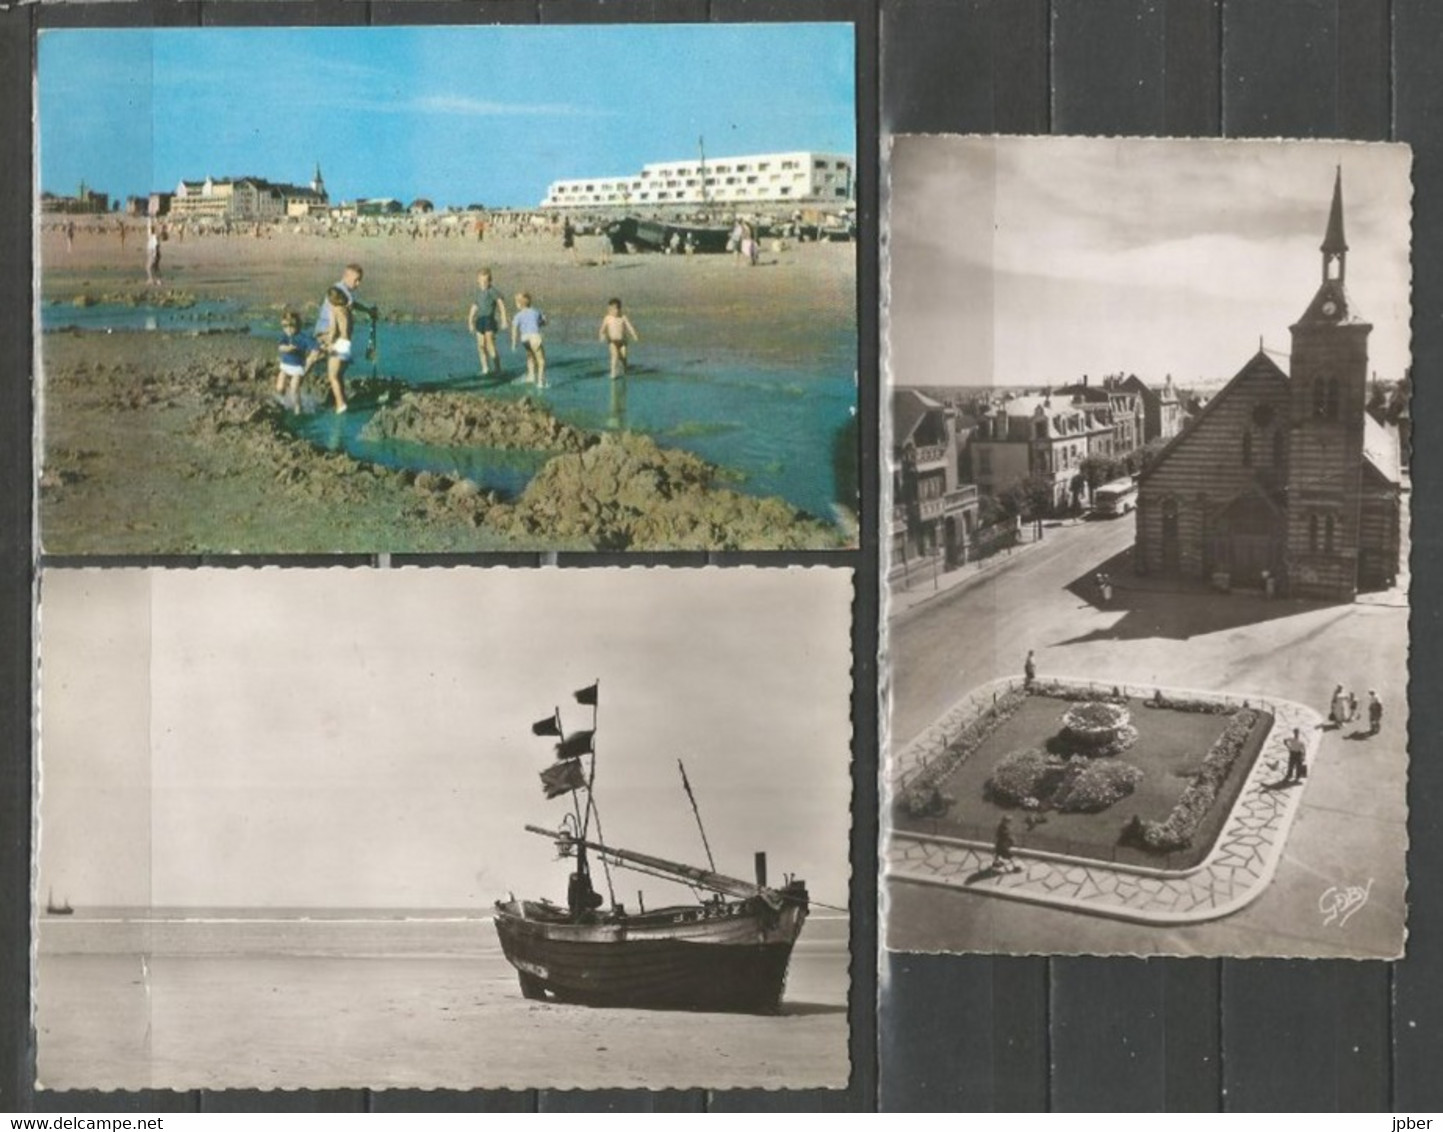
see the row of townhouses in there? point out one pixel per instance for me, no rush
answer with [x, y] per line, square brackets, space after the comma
[948, 457]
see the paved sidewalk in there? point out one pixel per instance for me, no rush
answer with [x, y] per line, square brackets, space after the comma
[1235, 873]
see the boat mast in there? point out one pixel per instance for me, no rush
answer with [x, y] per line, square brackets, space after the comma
[591, 807]
[710, 860]
[705, 204]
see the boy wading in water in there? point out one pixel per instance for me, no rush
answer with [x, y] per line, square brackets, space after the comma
[299, 351]
[527, 326]
[486, 317]
[341, 296]
[337, 340]
[615, 326]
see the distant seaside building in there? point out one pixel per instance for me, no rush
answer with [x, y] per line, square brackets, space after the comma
[801, 179]
[86, 200]
[247, 199]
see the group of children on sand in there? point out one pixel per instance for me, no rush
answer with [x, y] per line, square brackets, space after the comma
[487, 316]
[301, 350]
[331, 339]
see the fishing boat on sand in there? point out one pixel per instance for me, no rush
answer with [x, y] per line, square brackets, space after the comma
[54, 909]
[726, 952]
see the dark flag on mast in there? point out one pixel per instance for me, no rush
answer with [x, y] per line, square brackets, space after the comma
[575, 745]
[562, 778]
[549, 726]
[587, 695]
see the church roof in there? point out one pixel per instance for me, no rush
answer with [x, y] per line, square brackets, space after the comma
[1380, 448]
[1333, 240]
[1258, 365]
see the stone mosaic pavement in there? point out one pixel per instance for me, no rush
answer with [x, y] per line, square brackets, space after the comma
[1236, 872]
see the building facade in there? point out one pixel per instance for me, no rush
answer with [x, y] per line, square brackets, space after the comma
[934, 514]
[1284, 476]
[802, 179]
[1162, 411]
[1042, 436]
[246, 199]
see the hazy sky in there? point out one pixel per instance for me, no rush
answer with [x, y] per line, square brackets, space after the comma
[457, 114]
[1037, 260]
[342, 738]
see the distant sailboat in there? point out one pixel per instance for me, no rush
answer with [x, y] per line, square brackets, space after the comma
[53, 909]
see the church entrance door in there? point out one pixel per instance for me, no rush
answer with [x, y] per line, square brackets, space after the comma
[1255, 538]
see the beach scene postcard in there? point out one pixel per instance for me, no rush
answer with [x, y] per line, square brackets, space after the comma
[465, 828]
[416, 289]
[1147, 587]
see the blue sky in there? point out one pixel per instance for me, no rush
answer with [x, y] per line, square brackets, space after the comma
[459, 115]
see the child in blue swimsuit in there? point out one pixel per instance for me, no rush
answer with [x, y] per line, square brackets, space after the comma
[299, 350]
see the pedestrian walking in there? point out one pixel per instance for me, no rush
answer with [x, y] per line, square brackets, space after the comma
[1002, 843]
[1338, 707]
[1029, 669]
[1297, 768]
[1375, 712]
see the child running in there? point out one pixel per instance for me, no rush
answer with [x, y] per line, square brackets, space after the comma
[299, 350]
[337, 340]
[527, 325]
[615, 326]
[486, 317]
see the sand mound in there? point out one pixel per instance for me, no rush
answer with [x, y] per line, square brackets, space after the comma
[456, 420]
[627, 493]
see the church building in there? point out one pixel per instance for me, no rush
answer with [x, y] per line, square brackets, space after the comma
[1284, 476]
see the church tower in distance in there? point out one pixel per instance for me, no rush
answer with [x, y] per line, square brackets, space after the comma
[1328, 379]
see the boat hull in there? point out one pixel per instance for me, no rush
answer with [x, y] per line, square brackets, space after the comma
[731, 957]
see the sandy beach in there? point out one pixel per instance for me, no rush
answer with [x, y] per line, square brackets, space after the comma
[443, 1009]
[166, 441]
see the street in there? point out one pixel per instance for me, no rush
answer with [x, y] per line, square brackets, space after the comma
[1350, 830]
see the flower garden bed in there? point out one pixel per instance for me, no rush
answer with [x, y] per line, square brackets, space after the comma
[1191, 759]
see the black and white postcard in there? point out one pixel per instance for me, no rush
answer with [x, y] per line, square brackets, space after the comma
[1147, 563]
[443, 828]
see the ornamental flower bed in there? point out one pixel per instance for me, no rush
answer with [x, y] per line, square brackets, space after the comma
[1180, 827]
[1067, 811]
[1036, 780]
[1097, 729]
[923, 796]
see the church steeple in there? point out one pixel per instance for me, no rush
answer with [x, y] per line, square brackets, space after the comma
[1335, 244]
[318, 184]
[1330, 304]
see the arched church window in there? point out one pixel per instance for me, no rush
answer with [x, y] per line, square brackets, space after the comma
[1277, 448]
[1313, 533]
[1331, 408]
[1319, 393]
[1328, 535]
[1247, 448]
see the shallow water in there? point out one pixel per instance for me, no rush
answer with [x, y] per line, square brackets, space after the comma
[783, 428]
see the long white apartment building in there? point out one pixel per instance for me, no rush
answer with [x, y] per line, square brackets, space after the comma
[804, 179]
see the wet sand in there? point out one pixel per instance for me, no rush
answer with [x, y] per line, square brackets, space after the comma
[157, 442]
[123, 1021]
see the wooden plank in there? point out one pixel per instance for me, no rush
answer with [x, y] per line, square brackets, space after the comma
[1192, 68]
[1280, 75]
[1108, 1035]
[964, 66]
[935, 1047]
[1108, 67]
[1304, 1036]
[1418, 979]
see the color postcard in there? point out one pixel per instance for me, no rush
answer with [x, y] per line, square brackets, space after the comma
[446, 289]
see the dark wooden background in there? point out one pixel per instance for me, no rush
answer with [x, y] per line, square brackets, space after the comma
[968, 1033]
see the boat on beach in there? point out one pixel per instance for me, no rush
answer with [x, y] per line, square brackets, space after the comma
[727, 951]
[54, 909]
